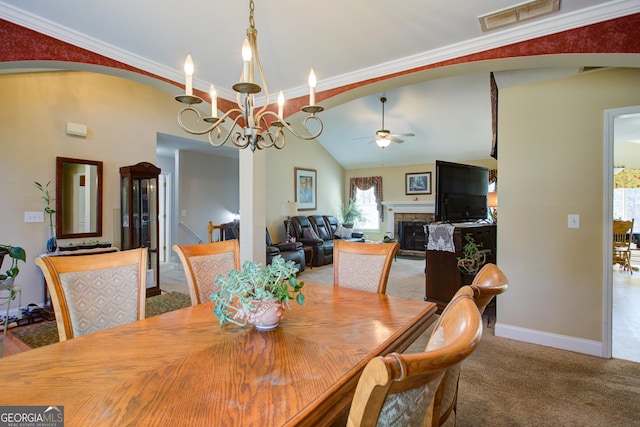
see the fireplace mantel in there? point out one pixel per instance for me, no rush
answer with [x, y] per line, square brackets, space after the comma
[406, 206]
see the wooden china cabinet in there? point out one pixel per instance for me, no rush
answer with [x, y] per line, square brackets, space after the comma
[442, 278]
[139, 209]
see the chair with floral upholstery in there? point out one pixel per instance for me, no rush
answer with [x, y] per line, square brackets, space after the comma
[488, 283]
[203, 262]
[363, 266]
[90, 293]
[398, 389]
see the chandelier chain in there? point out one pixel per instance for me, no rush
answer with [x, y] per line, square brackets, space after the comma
[252, 23]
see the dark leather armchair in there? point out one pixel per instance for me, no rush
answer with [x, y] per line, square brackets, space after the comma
[332, 223]
[288, 251]
[302, 230]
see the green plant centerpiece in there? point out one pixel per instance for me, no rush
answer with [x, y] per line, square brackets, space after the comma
[257, 294]
[16, 254]
[351, 213]
[474, 256]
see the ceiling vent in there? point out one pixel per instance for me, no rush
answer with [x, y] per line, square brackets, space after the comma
[518, 13]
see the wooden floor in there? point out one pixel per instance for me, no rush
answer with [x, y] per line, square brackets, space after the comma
[625, 338]
[13, 345]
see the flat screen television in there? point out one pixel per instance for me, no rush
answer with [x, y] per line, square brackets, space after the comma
[461, 192]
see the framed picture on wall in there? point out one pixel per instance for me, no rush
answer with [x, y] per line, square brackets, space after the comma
[417, 183]
[306, 188]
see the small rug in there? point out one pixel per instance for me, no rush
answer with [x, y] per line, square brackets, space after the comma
[45, 333]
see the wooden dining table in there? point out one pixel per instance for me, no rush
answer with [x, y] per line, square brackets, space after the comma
[183, 369]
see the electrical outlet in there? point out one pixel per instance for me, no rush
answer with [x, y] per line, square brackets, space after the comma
[574, 221]
[37, 216]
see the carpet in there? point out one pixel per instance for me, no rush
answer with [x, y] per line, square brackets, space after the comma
[507, 383]
[45, 333]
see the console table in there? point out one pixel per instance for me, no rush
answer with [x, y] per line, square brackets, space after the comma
[443, 279]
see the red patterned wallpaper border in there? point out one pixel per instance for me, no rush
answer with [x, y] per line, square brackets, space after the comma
[620, 35]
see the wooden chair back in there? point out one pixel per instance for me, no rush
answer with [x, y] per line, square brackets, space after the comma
[363, 266]
[211, 227]
[488, 283]
[203, 262]
[90, 293]
[398, 389]
[622, 235]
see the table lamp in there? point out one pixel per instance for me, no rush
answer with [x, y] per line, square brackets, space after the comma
[288, 209]
[492, 203]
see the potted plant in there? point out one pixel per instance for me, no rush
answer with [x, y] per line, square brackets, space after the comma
[47, 197]
[474, 257]
[351, 213]
[257, 294]
[16, 254]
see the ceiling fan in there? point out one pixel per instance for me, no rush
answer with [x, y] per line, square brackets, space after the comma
[384, 137]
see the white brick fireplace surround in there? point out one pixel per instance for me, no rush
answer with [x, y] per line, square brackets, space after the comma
[408, 206]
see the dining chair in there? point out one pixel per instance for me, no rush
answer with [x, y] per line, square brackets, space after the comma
[363, 266]
[90, 293]
[398, 389]
[203, 262]
[488, 283]
[622, 236]
[211, 227]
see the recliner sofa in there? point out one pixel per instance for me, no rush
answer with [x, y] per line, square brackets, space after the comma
[318, 231]
[288, 251]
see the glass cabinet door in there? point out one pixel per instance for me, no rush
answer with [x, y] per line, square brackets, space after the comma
[140, 225]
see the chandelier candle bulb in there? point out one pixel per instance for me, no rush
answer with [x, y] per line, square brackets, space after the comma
[280, 105]
[312, 88]
[246, 57]
[251, 127]
[214, 101]
[188, 71]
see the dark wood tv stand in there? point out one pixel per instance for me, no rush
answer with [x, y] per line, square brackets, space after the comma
[442, 278]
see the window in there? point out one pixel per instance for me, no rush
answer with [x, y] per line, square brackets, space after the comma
[366, 201]
[626, 205]
[366, 192]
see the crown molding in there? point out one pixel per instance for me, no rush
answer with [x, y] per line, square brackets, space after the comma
[506, 36]
[499, 38]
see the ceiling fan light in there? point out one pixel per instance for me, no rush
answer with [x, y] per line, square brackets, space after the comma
[383, 143]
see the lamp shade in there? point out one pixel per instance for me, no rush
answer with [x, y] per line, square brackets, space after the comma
[288, 209]
[492, 199]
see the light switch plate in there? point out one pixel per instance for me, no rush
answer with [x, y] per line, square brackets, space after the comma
[36, 216]
[574, 221]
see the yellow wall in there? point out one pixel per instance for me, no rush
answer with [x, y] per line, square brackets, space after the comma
[122, 119]
[280, 180]
[393, 183]
[551, 165]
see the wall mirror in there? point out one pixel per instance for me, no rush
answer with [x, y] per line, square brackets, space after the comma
[78, 198]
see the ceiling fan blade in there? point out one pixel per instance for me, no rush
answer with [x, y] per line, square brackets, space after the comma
[404, 134]
[394, 139]
[363, 137]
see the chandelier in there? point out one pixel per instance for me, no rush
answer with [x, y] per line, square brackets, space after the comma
[251, 127]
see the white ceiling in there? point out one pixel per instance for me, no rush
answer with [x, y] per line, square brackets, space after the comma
[344, 41]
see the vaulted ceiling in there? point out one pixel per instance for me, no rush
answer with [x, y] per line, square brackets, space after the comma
[360, 50]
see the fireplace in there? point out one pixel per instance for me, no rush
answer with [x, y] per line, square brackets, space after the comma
[411, 235]
[420, 212]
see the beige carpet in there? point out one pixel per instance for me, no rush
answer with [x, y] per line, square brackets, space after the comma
[510, 383]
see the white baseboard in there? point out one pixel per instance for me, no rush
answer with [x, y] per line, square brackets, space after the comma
[563, 342]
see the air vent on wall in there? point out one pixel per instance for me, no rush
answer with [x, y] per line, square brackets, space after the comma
[518, 13]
